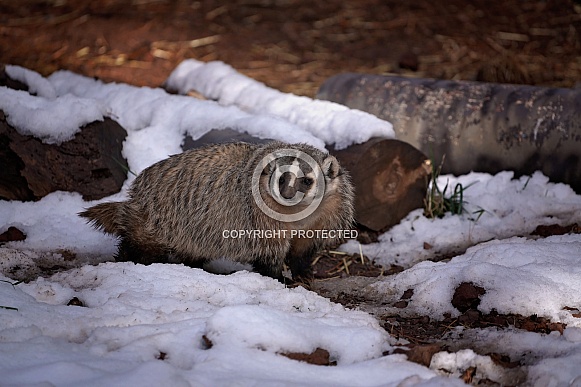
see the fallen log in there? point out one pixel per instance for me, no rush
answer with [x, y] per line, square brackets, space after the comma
[478, 126]
[390, 176]
[390, 179]
[91, 163]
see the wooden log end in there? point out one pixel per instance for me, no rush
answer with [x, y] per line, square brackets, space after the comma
[390, 178]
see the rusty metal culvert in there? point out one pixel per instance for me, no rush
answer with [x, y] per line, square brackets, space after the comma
[483, 127]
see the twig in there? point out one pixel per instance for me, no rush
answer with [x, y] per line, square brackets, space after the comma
[194, 43]
[346, 265]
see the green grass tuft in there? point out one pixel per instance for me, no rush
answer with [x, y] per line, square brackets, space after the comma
[437, 203]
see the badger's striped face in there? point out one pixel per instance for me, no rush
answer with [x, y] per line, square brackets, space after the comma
[295, 182]
[291, 180]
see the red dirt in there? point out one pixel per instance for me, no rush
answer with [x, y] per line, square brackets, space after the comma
[294, 45]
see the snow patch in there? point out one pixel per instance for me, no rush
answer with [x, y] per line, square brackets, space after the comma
[496, 207]
[133, 313]
[53, 120]
[37, 84]
[519, 275]
[333, 123]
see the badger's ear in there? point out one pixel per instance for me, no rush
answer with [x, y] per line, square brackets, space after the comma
[331, 167]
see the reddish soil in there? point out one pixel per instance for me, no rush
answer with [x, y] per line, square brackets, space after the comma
[294, 45]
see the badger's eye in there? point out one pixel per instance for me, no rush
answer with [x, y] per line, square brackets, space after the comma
[281, 180]
[307, 181]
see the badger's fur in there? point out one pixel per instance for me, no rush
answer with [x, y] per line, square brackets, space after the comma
[179, 208]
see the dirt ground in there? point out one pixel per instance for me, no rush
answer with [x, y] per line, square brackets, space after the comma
[294, 45]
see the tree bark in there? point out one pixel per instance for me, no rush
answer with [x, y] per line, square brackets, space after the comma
[91, 163]
[390, 178]
[481, 127]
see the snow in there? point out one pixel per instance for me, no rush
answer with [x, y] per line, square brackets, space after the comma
[42, 112]
[520, 276]
[551, 360]
[37, 85]
[333, 123]
[135, 312]
[145, 325]
[497, 207]
[158, 122]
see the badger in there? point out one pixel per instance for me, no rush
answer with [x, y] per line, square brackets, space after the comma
[248, 203]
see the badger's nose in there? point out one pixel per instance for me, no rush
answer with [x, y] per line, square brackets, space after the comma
[288, 192]
[286, 185]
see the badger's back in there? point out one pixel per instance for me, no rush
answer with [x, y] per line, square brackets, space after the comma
[187, 200]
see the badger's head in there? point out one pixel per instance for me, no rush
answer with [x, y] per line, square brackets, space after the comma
[295, 180]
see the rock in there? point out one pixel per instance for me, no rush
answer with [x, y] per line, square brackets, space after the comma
[390, 179]
[467, 296]
[11, 235]
[319, 356]
[91, 163]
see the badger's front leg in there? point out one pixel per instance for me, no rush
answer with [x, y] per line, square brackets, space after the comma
[299, 260]
[269, 267]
